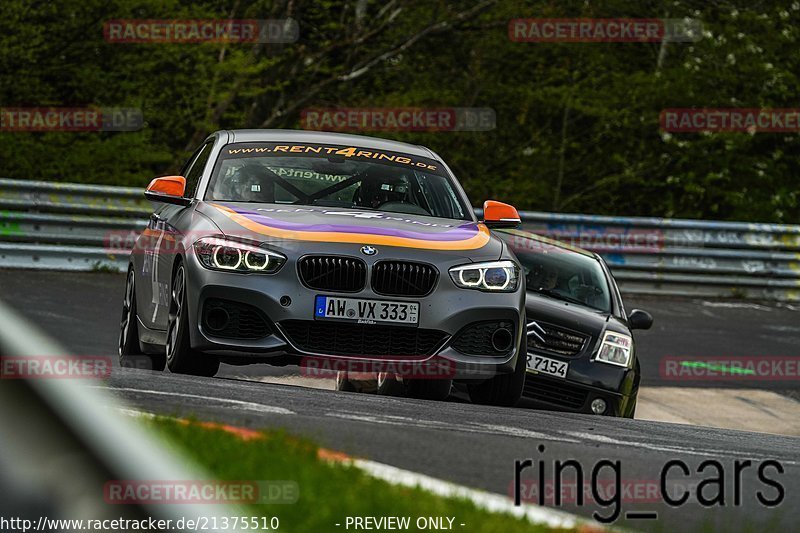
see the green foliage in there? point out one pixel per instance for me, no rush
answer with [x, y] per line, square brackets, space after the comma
[577, 123]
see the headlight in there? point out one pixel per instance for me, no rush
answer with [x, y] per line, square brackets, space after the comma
[616, 349]
[498, 276]
[222, 254]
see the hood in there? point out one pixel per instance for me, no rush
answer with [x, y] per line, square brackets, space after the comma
[281, 223]
[565, 314]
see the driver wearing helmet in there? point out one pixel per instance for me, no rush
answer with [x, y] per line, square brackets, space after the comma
[381, 188]
[250, 183]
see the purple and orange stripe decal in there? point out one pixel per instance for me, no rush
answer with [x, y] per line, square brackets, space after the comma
[468, 236]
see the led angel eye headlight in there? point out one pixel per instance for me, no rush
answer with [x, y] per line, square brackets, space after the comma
[470, 278]
[498, 278]
[232, 256]
[495, 276]
[256, 261]
[227, 257]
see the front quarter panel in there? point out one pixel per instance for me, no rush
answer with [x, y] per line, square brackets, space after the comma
[169, 236]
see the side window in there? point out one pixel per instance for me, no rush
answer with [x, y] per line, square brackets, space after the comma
[188, 164]
[195, 170]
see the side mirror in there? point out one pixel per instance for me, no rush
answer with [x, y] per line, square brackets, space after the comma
[168, 189]
[500, 215]
[639, 319]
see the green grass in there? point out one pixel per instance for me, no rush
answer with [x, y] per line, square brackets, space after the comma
[328, 492]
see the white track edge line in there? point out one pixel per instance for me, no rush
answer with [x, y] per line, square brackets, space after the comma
[487, 501]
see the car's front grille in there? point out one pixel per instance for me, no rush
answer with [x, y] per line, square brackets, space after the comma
[476, 339]
[561, 393]
[553, 339]
[234, 320]
[332, 273]
[403, 278]
[337, 338]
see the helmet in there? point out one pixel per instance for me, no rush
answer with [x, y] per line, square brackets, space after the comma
[381, 185]
[250, 183]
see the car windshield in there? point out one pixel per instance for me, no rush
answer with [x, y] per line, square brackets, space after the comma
[560, 273]
[335, 176]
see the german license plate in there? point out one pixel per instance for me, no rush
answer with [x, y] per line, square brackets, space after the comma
[366, 311]
[548, 366]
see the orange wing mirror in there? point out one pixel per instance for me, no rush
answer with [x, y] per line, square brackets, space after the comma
[500, 215]
[168, 189]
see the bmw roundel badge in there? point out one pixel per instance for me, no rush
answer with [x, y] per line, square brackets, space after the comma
[369, 250]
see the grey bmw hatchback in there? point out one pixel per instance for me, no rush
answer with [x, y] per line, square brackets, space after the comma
[289, 247]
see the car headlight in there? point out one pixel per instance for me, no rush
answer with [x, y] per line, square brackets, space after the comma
[231, 256]
[616, 349]
[497, 276]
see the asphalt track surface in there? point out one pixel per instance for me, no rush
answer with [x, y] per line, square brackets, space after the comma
[477, 445]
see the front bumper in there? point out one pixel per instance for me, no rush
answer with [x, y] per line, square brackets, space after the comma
[564, 395]
[586, 381]
[281, 297]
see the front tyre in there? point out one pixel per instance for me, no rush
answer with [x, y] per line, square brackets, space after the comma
[130, 352]
[631, 410]
[343, 383]
[428, 389]
[181, 358]
[504, 390]
[389, 385]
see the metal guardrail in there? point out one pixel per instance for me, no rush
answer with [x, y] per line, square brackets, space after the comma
[708, 259]
[66, 226]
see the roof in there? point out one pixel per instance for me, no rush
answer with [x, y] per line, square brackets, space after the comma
[323, 137]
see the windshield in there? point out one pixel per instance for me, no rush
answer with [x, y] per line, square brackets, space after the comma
[335, 176]
[560, 273]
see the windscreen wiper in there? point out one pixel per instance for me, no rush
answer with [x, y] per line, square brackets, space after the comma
[560, 296]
